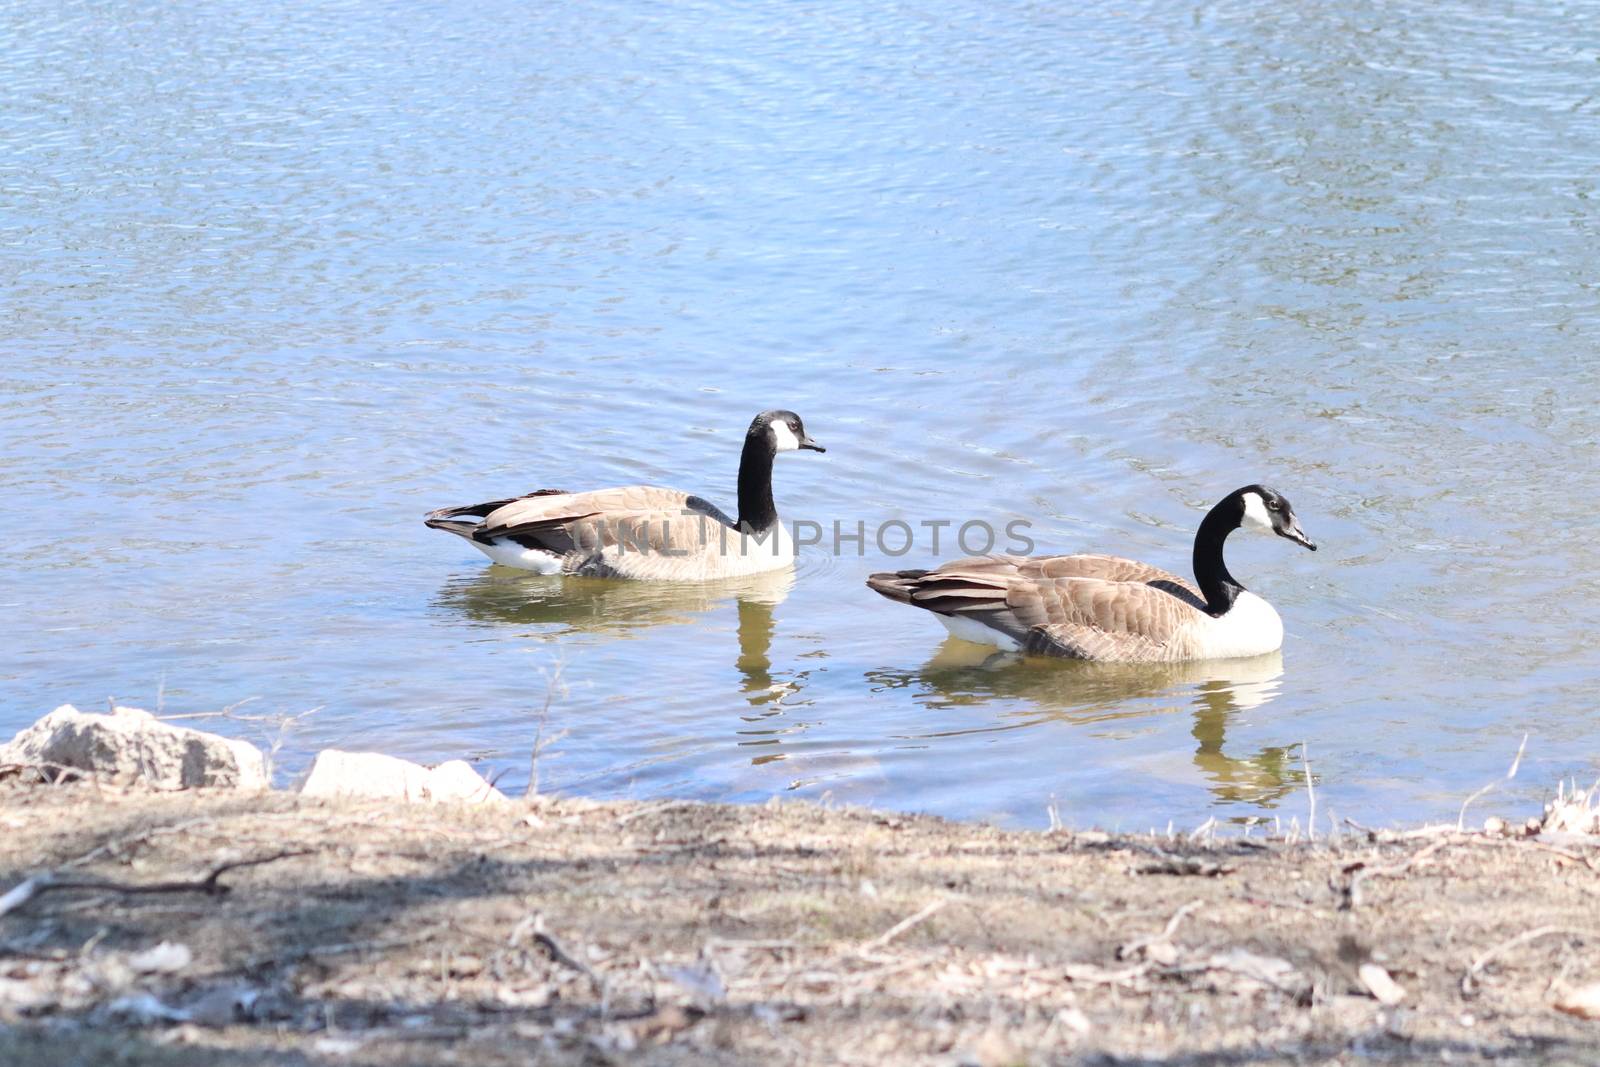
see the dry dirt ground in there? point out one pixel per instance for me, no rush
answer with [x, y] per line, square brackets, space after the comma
[571, 932]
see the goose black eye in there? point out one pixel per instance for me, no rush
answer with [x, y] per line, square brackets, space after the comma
[1273, 505]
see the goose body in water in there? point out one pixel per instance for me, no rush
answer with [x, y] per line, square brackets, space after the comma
[1109, 609]
[643, 532]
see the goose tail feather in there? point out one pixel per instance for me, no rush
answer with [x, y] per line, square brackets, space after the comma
[448, 519]
[460, 529]
[899, 586]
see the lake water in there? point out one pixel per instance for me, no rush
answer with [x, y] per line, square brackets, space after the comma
[278, 280]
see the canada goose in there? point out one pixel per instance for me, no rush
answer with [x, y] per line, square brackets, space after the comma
[1110, 609]
[642, 531]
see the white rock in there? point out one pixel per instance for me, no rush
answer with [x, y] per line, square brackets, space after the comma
[1584, 1002]
[371, 774]
[133, 744]
[1384, 989]
[168, 957]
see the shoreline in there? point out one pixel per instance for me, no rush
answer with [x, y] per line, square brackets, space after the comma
[573, 931]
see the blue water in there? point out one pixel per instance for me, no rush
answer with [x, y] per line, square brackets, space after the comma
[278, 281]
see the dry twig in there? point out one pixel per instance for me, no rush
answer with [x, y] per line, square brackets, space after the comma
[534, 925]
[116, 845]
[655, 809]
[1138, 944]
[41, 884]
[1461, 819]
[902, 926]
[1469, 980]
[1360, 872]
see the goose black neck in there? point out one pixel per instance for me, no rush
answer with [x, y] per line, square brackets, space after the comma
[756, 511]
[1219, 587]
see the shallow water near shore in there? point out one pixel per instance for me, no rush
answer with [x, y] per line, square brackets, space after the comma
[280, 282]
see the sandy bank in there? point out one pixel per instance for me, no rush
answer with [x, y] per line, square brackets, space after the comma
[575, 932]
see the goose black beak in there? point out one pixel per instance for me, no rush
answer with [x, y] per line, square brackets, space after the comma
[810, 445]
[1297, 535]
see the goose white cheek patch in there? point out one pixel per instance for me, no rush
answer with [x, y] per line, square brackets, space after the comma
[1255, 513]
[785, 438]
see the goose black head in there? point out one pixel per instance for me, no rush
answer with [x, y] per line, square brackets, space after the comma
[783, 431]
[1266, 509]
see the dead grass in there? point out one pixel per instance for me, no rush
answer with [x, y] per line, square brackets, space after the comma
[574, 932]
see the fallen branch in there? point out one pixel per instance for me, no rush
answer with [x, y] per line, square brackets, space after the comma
[1267, 902]
[1184, 866]
[1469, 980]
[20, 894]
[284, 956]
[902, 926]
[1297, 993]
[1537, 845]
[1140, 944]
[62, 773]
[1360, 873]
[534, 924]
[655, 809]
[41, 884]
[1093, 974]
[117, 845]
[559, 955]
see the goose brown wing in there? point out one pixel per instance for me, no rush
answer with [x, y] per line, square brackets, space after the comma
[1083, 606]
[643, 515]
[1107, 568]
[977, 582]
[1068, 641]
[1091, 618]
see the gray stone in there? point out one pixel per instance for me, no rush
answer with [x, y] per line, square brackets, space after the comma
[133, 745]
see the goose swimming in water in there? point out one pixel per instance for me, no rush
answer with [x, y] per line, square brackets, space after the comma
[642, 531]
[1109, 609]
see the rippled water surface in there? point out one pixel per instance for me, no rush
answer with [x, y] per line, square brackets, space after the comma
[278, 280]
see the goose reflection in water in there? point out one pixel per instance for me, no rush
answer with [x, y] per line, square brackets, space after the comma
[1215, 691]
[559, 607]
[499, 597]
